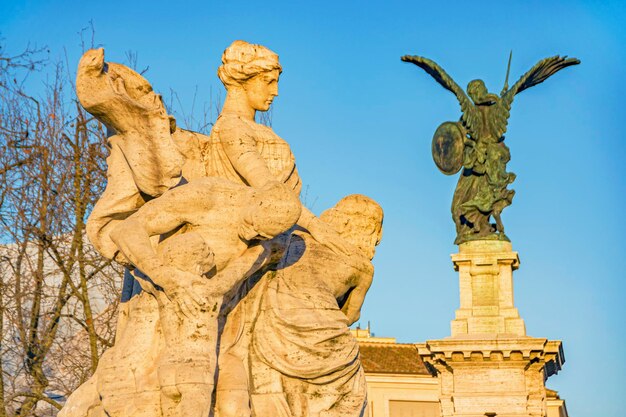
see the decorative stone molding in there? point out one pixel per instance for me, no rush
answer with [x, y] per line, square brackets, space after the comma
[502, 375]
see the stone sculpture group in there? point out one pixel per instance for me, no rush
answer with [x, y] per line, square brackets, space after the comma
[237, 299]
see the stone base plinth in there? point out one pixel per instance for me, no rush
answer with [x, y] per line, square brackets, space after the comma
[486, 288]
[501, 374]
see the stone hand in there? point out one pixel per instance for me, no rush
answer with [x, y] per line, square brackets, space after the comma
[182, 288]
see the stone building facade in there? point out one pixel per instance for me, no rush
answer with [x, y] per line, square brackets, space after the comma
[401, 384]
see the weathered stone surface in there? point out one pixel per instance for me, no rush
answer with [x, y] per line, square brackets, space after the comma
[486, 285]
[501, 374]
[235, 285]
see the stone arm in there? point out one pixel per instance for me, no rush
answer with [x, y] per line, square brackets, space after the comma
[156, 217]
[240, 269]
[323, 233]
[352, 306]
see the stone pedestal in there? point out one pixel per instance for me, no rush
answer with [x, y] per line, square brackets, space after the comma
[486, 285]
[488, 366]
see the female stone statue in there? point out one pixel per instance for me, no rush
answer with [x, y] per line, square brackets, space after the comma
[242, 150]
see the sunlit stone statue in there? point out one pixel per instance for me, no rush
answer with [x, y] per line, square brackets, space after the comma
[223, 258]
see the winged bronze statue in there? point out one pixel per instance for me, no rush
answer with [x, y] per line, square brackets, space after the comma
[476, 144]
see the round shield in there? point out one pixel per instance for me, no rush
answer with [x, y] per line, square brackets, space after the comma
[447, 147]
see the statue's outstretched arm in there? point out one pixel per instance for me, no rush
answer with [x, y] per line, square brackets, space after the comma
[156, 217]
[239, 269]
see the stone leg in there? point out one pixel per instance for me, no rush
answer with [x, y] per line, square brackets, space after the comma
[186, 389]
[170, 395]
[233, 398]
[195, 400]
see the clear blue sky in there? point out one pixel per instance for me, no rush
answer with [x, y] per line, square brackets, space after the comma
[361, 121]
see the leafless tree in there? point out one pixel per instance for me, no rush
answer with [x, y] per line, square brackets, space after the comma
[58, 297]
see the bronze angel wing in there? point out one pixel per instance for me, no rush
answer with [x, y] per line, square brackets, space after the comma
[471, 116]
[543, 70]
